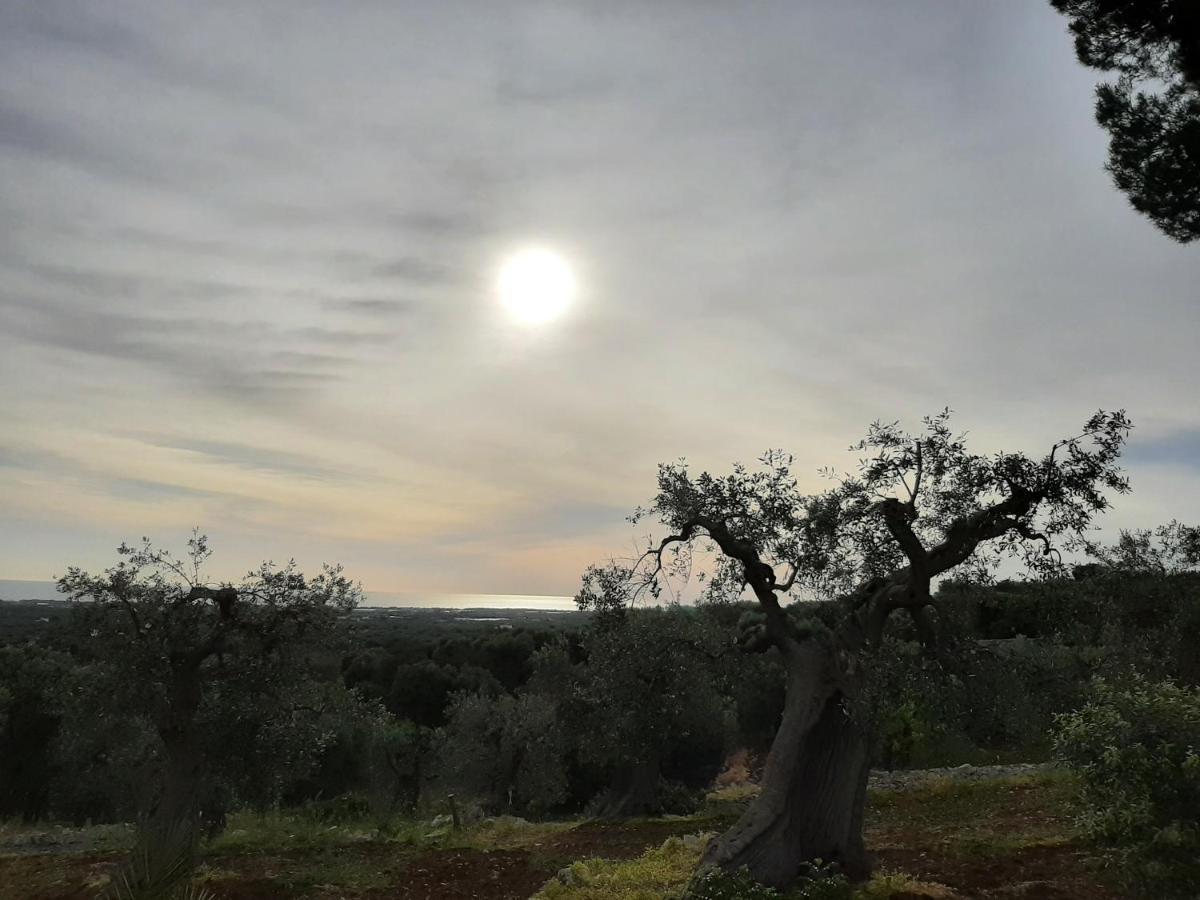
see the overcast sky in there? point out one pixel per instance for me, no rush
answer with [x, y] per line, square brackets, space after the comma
[248, 254]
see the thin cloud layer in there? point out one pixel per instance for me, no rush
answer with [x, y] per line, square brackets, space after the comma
[247, 265]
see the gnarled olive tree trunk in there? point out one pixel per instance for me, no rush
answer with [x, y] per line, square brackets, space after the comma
[633, 792]
[169, 834]
[814, 784]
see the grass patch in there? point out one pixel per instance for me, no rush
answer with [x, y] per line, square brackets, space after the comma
[977, 818]
[665, 872]
[286, 832]
[94, 838]
[300, 874]
[659, 874]
[886, 885]
[282, 831]
[506, 833]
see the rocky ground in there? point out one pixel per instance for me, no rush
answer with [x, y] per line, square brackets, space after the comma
[903, 779]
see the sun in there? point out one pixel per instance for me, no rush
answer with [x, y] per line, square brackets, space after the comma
[536, 285]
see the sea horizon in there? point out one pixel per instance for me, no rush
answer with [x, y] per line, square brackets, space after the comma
[15, 589]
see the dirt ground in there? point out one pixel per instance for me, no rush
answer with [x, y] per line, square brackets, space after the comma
[1005, 844]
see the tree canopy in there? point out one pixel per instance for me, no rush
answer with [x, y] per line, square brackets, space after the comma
[917, 507]
[206, 666]
[1152, 110]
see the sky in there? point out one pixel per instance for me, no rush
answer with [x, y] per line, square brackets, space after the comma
[249, 255]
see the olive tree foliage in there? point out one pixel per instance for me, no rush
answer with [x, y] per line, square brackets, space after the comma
[226, 677]
[31, 701]
[1166, 550]
[508, 752]
[392, 758]
[1152, 110]
[918, 506]
[654, 711]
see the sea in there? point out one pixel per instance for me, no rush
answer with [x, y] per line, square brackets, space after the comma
[16, 589]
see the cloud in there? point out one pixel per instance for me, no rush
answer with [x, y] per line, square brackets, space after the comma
[74, 26]
[246, 268]
[371, 306]
[257, 459]
[27, 133]
[1177, 448]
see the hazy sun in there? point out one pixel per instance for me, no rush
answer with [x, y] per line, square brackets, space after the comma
[536, 285]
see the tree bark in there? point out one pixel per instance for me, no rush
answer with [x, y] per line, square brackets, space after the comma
[814, 785]
[169, 835]
[634, 792]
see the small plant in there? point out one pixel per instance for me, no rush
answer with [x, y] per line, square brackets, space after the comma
[818, 882]
[718, 885]
[821, 881]
[160, 869]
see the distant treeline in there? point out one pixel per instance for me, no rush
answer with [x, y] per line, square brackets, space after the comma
[549, 713]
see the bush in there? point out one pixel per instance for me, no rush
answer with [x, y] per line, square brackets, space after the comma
[1136, 748]
[819, 883]
[717, 885]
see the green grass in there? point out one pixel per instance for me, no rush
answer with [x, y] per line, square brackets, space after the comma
[959, 833]
[289, 831]
[100, 838]
[983, 818]
[663, 873]
[659, 874]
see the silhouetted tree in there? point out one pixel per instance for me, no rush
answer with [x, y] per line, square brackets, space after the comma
[1167, 550]
[1152, 111]
[31, 684]
[650, 690]
[920, 506]
[187, 657]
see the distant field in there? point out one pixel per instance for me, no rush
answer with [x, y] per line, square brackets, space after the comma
[23, 620]
[18, 589]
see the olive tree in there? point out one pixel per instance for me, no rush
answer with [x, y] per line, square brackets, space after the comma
[649, 690]
[1166, 550]
[918, 507]
[509, 752]
[188, 657]
[31, 679]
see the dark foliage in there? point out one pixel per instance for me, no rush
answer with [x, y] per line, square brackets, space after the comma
[1152, 111]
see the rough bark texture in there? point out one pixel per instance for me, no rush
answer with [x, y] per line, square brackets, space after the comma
[169, 835]
[813, 789]
[634, 792]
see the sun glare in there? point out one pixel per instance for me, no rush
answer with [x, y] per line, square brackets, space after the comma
[536, 285]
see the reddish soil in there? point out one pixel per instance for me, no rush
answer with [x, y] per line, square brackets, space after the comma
[56, 877]
[919, 840]
[467, 875]
[1030, 873]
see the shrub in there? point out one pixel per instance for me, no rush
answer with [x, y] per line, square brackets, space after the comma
[1136, 747]
[821, 882]
[717, 885]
